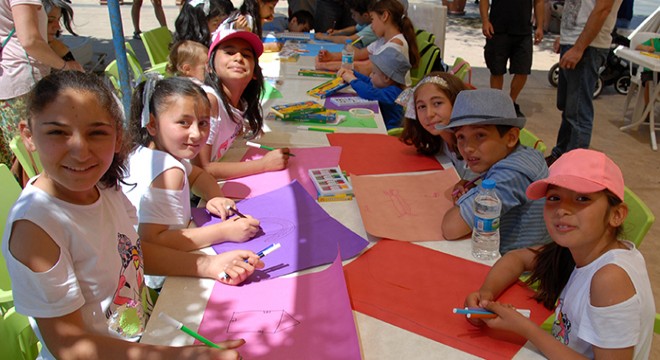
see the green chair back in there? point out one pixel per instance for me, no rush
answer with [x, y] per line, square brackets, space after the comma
[135, 74]
[462, 70]
[395, 131]
[639, 220]
[18, 340]
[10, 192]
[424, 36]
[528, 139]
[30, 161]
[656, 326]
[427, 57]
[156, 43]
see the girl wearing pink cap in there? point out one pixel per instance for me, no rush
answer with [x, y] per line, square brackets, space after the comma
[598, 283]
[235, 81]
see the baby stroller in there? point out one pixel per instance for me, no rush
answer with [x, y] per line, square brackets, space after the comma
[613, 72]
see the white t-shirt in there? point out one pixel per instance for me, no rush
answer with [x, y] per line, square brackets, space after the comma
[224, 129]
[580, 325]
[17, 73]
[574, 18]
[154, 205]
[381, 44]
[100, 266]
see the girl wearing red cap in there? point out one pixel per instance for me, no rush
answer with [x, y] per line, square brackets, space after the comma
[598, 283]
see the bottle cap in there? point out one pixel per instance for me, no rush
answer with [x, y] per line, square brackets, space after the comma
[488, 184]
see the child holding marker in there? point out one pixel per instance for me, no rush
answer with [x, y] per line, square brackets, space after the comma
[170, 124]
[429, 104]
[74, 257]
[487, 129]
[385, 84]
[235, 76]
[600, 285]
[361, 30]
[394, 29]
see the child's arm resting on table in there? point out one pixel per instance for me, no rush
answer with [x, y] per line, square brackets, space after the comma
[275, 160]
[454, 226]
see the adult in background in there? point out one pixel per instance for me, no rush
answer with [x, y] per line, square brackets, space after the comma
[508, 31]
[26, 58]
[135, 15]
[331, 14]
[585, 37]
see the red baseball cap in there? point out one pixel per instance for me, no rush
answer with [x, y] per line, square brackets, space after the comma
[583, 171]
[222, 35]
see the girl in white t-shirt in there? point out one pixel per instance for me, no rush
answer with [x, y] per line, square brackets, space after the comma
[391, 24]
[169, 123]
[74, 257]
[599, 284]
[235, 75]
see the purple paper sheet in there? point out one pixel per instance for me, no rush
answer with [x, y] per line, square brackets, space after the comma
[304, 317]
[332, 106]
[289, 216]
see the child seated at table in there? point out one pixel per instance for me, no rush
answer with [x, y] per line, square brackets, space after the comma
[234, 74]
[487, 130]
[598, 283]
[299, 21]
[70, 246]
[429, 104]
[361, 30]
[387, 80]
[394, 29]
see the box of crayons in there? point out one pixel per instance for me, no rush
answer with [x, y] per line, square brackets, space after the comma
[327, 88]
[295, 111]
[331, 184]
[317, 73]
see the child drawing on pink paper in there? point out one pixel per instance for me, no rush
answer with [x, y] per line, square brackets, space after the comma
[235, 83]
[600, 283]
[74, 257]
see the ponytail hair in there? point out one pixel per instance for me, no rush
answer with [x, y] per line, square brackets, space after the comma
[253, 118]
[192, 21]
[401, 20]
[46, 90]
[157, 95]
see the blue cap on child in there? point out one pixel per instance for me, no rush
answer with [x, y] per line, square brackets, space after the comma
[392, 63]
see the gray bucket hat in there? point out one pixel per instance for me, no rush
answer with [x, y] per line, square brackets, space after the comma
[483, 107]
[392, 63]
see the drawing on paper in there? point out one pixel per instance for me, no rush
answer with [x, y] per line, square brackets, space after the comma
[400, 204]
[276, 228]
[261, 321]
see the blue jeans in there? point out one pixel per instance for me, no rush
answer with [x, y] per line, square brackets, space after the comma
[575, 100]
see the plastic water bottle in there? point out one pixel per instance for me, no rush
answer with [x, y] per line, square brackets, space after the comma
[486, 229]
[347, 55]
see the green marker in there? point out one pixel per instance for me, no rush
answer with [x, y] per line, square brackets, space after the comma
[259, 146]
[186, 330]
[311, 128]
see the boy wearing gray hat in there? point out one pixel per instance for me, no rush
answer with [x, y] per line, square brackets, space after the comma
[386, 82]
[487, 130]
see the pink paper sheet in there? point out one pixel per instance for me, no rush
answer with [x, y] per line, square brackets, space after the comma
[405, 207]
[304, 159]
[304, 317]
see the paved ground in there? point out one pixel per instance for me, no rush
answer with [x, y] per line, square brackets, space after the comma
[631, 150]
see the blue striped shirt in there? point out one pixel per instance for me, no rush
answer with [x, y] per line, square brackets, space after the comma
[521, 220]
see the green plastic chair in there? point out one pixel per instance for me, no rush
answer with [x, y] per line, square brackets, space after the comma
[424, 36]
[135, 74]
[639, 220]
[10, 192]
[30, 161]
[462, 69]
[156, 43]
[528, 139]
[427, 57]
[656, 327]
[18, 340]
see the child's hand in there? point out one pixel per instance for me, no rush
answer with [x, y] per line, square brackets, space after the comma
[507, 318]
[226, 352]
[459, 189]
[330, 31]
[321, 36]
[275, 160]
[346, 75]
[234, 264]
[647, 48]
[240, 229]
[242, 23]
[218, 206]
[324, 55]
[476, 300]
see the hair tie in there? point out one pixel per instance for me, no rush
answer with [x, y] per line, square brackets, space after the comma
[206, 8]
[407, 98]
[149, 86]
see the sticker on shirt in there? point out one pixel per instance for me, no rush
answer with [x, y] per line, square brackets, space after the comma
[131, 303]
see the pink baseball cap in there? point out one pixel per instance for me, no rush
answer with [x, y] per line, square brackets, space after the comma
[222, 35]
[583, 171]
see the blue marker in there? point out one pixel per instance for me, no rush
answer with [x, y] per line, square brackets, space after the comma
[261, 254]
